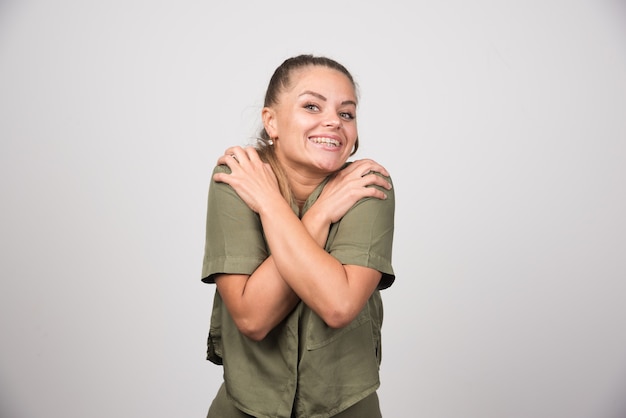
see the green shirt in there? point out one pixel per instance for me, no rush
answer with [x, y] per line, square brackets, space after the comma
[302, 365]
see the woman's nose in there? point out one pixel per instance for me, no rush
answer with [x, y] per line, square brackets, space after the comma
[333, 121]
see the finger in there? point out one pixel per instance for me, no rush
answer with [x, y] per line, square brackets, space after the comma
[372, 178]
[243, 155]
[224, 159]
[377, 193]
[220, 177]
[252, 154]
[232, 150]
[378, 168]
[227, 159]
[375, 168]
[237, 153]
[366, 166]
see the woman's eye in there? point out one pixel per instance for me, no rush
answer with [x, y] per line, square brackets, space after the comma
[312, 107]
[346, 115]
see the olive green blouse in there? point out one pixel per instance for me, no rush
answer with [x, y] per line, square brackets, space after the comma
[302, 368]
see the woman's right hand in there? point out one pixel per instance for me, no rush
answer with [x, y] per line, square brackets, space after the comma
[253, 180]
[350, 185]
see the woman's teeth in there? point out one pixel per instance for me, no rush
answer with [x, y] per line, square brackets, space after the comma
[323, 140]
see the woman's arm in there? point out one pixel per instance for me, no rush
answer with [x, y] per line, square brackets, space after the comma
[335, 292]
[255, 295]
[257, 302]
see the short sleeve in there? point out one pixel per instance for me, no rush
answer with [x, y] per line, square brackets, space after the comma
[234, 243]
[364, 236]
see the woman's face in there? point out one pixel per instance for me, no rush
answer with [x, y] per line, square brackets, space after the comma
[314, 122]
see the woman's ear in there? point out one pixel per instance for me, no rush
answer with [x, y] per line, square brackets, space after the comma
[269, 122]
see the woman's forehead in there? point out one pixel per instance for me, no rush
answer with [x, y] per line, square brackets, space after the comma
[320, 79]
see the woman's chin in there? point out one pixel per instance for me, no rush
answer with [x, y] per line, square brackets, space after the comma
[329, 166]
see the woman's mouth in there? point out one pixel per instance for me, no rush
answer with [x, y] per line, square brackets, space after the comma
[325, 141]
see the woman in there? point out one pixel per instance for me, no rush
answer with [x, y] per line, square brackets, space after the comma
[299, 244]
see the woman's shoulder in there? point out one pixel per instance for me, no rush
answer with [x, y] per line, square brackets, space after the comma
[221, 168]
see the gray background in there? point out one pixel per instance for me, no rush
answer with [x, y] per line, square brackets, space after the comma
[503, 124]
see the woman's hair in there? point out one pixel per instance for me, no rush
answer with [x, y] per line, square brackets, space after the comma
[280, 81]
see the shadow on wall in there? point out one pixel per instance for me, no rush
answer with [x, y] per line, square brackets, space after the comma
[6, 408]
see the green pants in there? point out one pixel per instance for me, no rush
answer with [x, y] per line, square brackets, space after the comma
[223, 408]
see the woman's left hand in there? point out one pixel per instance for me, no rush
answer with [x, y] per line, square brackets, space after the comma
[253, 180]
[351, 184]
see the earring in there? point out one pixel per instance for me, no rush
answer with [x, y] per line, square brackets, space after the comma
[270, 141]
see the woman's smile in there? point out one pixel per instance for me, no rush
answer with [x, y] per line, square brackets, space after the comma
[327, 142]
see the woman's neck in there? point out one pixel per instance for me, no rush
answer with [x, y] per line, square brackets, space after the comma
[302, 185]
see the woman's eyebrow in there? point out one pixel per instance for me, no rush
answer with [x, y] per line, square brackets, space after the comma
[312, 93]
[321, 97]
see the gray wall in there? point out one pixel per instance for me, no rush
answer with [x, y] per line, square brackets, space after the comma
[503, 124]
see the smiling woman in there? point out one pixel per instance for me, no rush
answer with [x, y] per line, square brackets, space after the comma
[298, 243]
